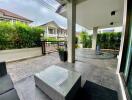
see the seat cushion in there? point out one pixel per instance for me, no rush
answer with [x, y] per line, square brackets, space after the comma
[3, 70]
[6, 84]
[10, 95]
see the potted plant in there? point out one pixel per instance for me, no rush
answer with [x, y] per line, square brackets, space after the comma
[62, 54]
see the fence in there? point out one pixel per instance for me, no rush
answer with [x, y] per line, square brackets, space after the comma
[52, 46]
[47, 46]
[17, 45]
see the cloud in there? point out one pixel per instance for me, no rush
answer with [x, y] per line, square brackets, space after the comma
[36, 10]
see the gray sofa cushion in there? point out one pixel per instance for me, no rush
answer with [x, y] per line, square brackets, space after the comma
[10, 95]
[6, 84]
[3, 70]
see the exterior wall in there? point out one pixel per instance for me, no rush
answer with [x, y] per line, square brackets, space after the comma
[62, 34]
[53, 28]
[1, 14]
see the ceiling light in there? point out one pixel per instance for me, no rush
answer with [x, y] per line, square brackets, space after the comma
[111, 23]
[113, 13]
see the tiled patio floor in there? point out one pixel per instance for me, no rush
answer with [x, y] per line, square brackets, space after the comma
[99, 71]
[21, 69]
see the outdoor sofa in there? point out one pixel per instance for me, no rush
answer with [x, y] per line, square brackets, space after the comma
[7, 90]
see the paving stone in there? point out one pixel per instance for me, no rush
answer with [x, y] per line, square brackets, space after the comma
[98, 71]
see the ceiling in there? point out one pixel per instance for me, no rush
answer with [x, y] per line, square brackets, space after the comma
[97, 13]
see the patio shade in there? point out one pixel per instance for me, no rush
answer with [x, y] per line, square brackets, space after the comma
[97, 13]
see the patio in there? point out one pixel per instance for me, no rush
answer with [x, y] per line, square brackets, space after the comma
[99, 71]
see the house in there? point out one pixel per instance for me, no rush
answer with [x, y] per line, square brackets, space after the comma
[93, 14]
[9, 16]
[52, 29]
[96, 14]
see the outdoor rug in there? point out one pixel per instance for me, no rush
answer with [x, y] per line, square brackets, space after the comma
[92, 91]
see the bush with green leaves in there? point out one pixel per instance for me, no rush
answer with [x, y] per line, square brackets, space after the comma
[85, 39]
[51, 39]
[18, 35]
[109, 40]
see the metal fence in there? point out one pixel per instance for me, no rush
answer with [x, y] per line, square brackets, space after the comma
[47, 46]
[52, 46]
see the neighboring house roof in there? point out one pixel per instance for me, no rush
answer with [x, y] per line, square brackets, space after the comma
[10, 14]
[51, 22]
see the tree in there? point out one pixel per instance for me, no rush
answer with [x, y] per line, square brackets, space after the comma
[85, 39]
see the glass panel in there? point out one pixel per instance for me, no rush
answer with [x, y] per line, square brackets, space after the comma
[129, 54]
[129, 49]
[128, 69]
[130, 83]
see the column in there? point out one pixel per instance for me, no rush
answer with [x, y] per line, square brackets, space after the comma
[71, 21]
[94, 38]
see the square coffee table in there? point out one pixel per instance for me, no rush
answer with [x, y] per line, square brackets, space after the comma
[58, 83]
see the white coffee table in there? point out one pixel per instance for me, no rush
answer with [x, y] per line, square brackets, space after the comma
[58, 83]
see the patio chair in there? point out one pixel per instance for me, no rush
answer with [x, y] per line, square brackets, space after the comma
[7, 90]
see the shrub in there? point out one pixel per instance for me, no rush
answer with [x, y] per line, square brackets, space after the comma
[109, 40]
[51, 39]
[85, 39]
[18, 35]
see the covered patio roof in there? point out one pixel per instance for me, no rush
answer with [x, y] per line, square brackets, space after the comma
[97, 13]
[91, 14]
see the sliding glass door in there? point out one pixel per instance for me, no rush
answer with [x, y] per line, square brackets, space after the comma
[128, 68]
[129, 85]
[126, 63]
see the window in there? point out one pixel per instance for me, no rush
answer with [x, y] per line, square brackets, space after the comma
[51, 31]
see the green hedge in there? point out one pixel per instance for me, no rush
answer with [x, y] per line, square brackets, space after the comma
[109, 40]
[85, 39]
[51, 39]
[18, 35]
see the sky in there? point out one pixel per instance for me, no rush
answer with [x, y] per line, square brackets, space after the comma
[39, 11]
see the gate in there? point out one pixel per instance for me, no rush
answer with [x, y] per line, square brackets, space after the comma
[52, 46]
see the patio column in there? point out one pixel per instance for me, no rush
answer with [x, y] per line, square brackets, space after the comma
[94, 38]
[71, 21]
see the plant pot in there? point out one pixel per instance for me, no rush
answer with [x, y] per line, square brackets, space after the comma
[63, 55]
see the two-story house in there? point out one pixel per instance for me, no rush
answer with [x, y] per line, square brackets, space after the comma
[52, 29]
[9, 16]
